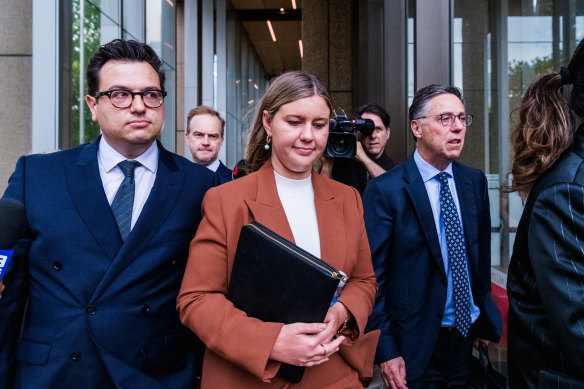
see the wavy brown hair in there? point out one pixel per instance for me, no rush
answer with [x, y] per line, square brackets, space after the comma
[284, 89]
[546, 123]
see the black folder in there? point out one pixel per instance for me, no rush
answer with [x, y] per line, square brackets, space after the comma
[276, 281]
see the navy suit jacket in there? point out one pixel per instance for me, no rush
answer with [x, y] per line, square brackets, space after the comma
[408, 264]
[100, 312]
[546, 279]
[225, 175]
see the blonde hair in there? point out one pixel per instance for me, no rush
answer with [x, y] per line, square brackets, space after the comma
[284, 89]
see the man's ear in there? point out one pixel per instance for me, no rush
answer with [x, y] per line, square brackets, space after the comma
[416, 128]
[92, 103]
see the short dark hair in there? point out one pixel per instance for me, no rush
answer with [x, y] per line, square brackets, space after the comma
[427, 93]
[121, 50]
[204, 110]
[374, 109]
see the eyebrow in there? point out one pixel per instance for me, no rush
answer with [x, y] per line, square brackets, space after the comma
[153, 87]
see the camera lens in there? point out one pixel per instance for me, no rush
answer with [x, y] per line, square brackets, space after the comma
[341, 145]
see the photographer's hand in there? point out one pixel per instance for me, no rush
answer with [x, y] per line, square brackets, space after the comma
[361, 156]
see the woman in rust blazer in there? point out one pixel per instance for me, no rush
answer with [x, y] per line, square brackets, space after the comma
[289, 135]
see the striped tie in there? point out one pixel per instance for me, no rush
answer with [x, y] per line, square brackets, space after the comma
[456, 256]
[124, 199]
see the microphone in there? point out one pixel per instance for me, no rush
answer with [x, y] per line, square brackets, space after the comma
[12, 215]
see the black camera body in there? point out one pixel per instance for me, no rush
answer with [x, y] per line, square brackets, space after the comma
[342, 141]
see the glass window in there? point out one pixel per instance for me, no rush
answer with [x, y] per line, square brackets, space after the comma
[87, 24]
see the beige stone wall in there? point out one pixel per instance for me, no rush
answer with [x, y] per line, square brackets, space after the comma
[15, 84]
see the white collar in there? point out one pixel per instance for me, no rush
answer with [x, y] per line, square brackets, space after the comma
[110, 157]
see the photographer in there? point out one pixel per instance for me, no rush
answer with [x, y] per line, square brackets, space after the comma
[370, 160]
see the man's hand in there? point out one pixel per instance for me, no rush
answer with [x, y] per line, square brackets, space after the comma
[361, 156]
[1, 288]
[479, 340]
[393, 373]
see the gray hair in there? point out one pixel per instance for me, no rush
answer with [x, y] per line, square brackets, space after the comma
[427, 93]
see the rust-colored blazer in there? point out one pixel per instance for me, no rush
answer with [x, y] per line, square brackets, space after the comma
[238, 347]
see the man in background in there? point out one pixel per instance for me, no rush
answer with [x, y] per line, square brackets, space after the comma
[370, 160]
[205, 134]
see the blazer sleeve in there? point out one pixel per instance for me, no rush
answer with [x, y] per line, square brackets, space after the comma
[16, 281]
[203, 307]
[556, 251]
[379, 225]
[358, 294]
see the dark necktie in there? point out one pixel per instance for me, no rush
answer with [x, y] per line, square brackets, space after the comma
[456, 256]
[123, 202]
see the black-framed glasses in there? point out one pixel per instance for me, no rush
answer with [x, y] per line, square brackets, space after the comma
[448, 118]
[123, 98]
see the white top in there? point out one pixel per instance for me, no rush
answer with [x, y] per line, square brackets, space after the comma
[297, 198]
[112, 176]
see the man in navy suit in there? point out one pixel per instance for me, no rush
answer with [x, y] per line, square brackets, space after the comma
[106, 243]
[205, 135]
[428, 225]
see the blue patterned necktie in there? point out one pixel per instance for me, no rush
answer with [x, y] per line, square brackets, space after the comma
[456, 256]
[123, 202]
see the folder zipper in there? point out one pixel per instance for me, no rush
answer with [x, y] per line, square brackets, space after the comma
[334, 274]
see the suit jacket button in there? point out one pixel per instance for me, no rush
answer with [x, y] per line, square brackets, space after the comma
[142, 352]
[145, 308]
[440, 315]
[57, 265]
[91, 310]
[76, 356]
[172, 261]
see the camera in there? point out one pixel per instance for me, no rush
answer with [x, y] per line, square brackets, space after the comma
[342, 142]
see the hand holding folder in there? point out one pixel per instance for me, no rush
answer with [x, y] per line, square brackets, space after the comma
[276, 281]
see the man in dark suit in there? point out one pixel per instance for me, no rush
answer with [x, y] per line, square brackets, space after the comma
[106, 243]
[428, 226]
[205, 134]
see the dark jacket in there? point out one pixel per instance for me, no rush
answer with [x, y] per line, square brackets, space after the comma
[408, 263]
[101, 311]
[546, 278]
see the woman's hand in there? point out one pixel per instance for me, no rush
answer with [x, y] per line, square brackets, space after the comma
[336, 314]
[306, 344]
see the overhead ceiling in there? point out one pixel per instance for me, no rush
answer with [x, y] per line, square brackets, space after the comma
[284, 54]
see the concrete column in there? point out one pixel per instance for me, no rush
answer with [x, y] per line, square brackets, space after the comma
[16, 83]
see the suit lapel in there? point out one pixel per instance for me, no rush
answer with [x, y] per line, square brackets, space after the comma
[468, 210]
[164, 194]
[266, 208]
[331, 223]
[88, 196]
[416, 190]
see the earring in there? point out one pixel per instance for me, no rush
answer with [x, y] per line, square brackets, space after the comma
[268, 140]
